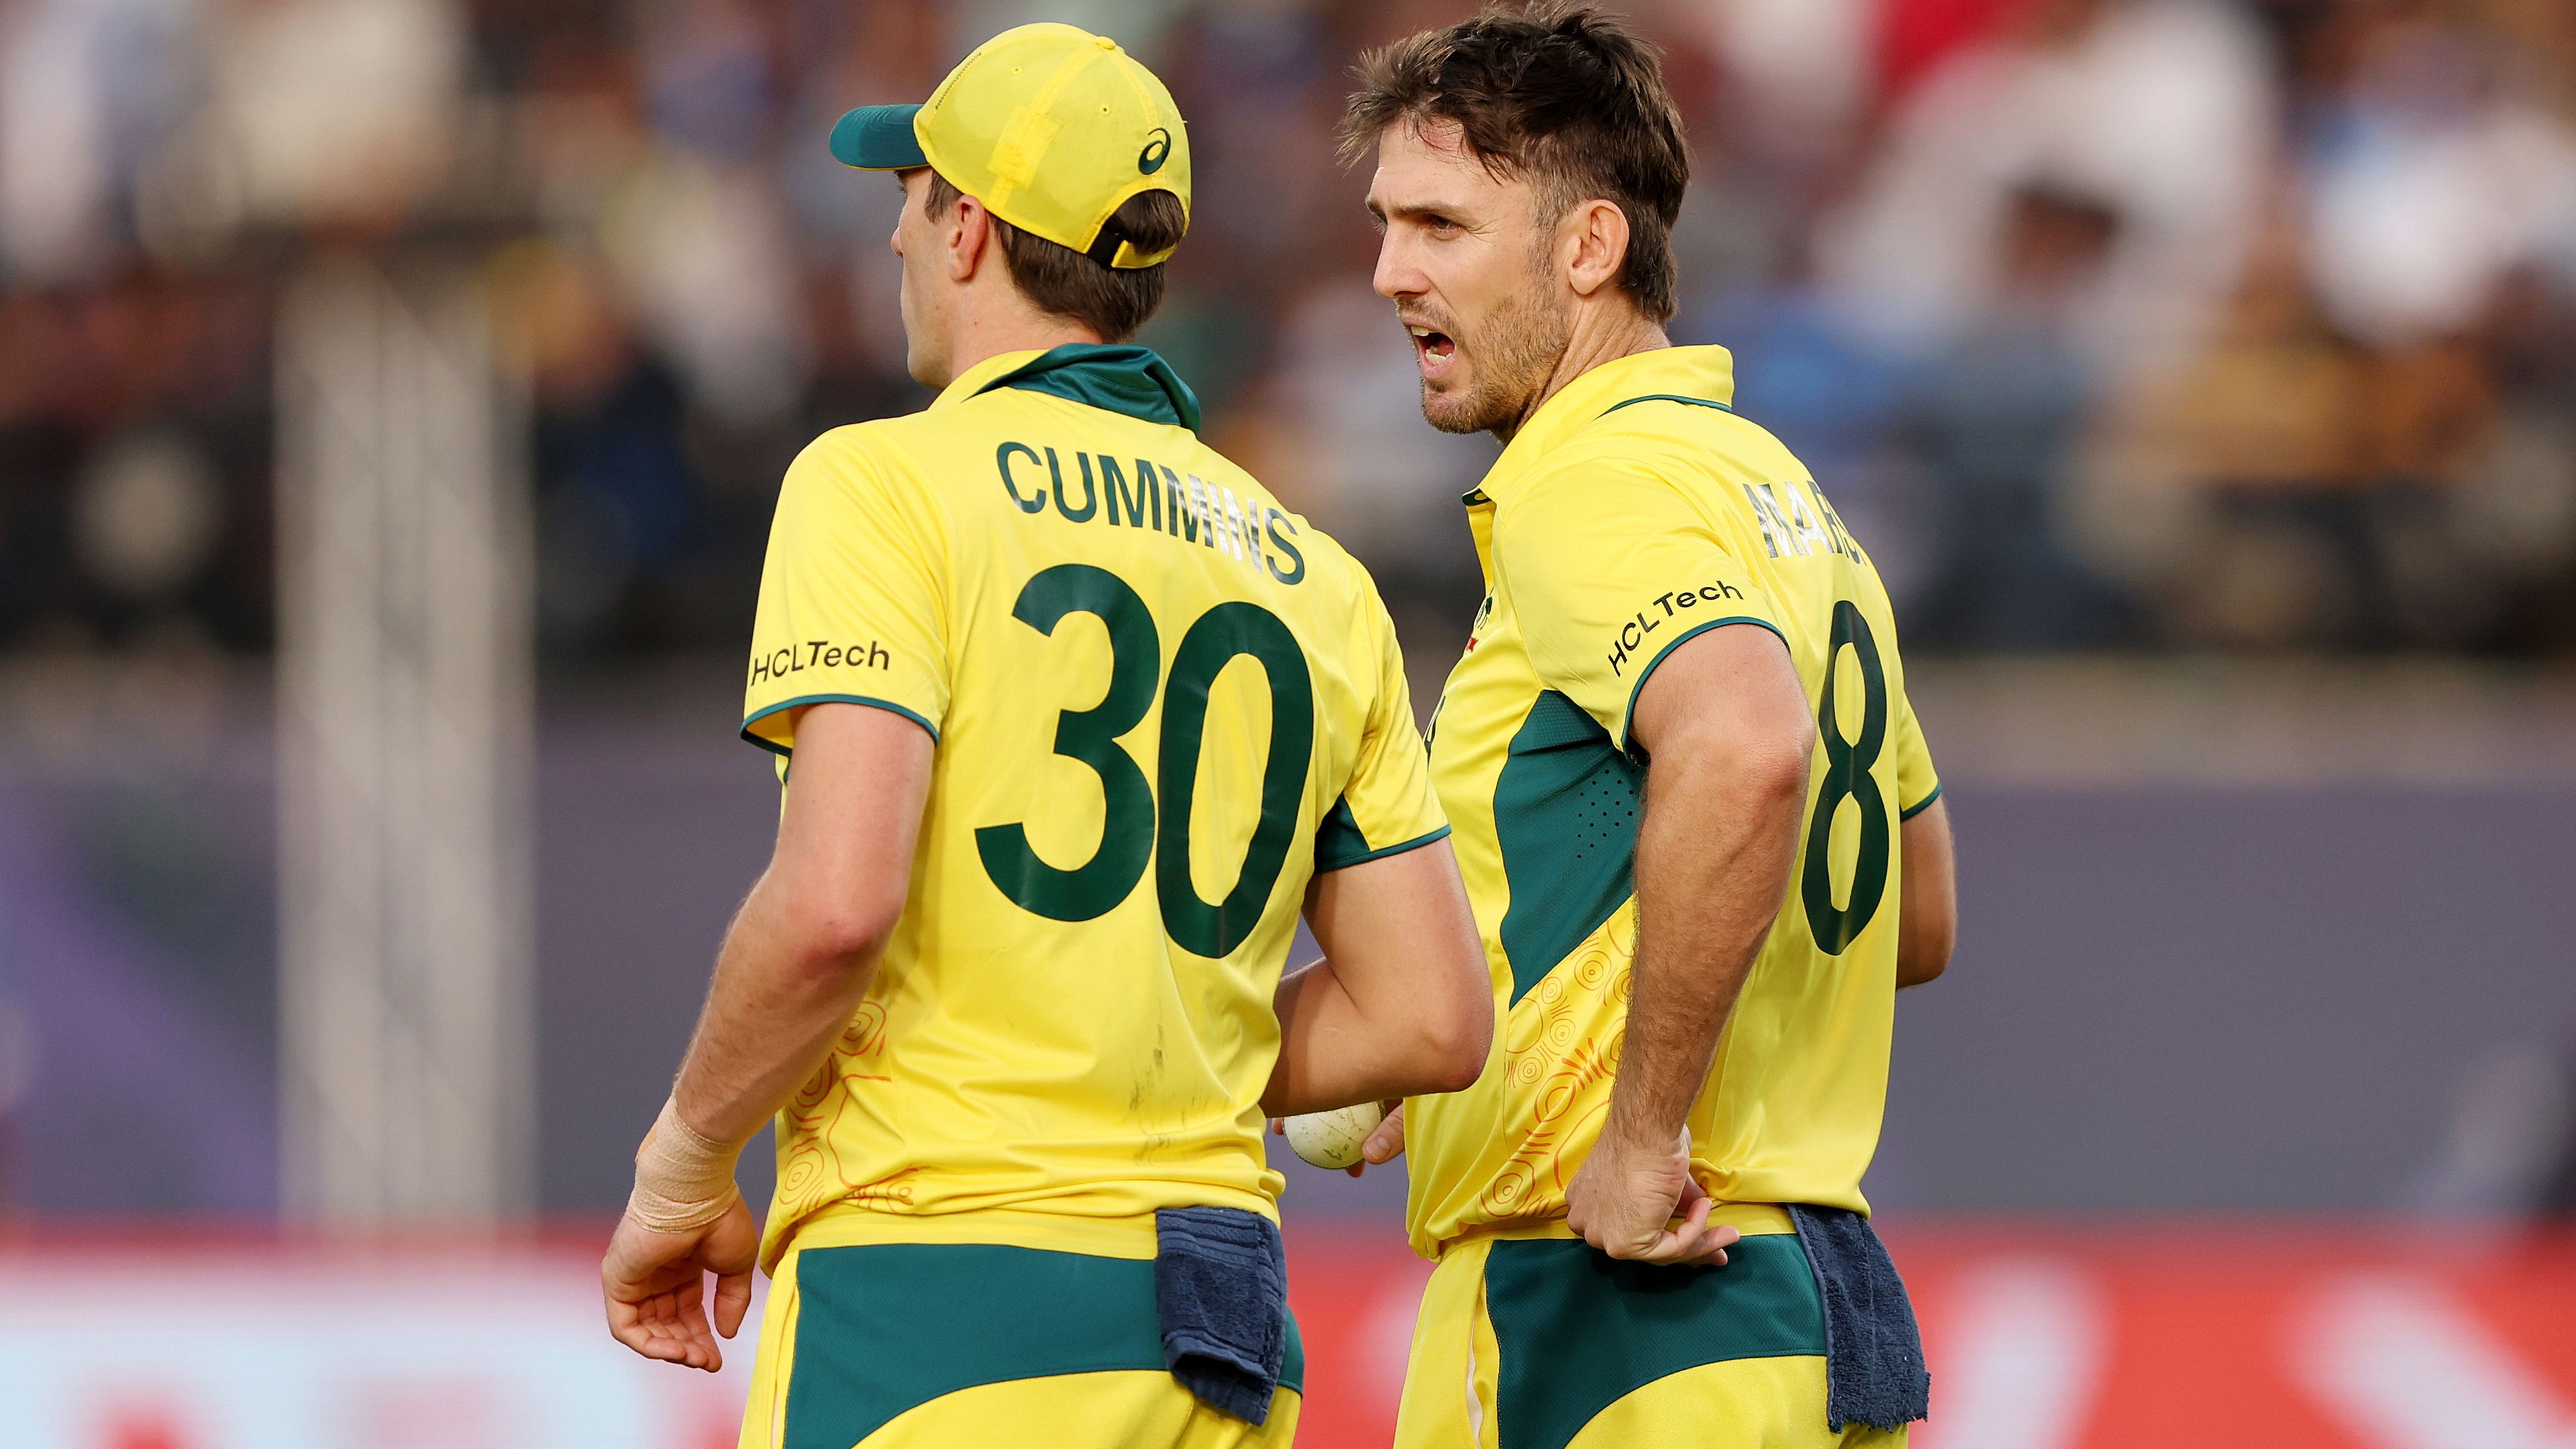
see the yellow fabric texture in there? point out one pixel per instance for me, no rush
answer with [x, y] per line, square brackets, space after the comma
[773, 1365]
[1451, 1379]
[1078, 1411]
[1068, 1074]
[1755, 1403]
[1134, 1409]
[1054, 129]
[1618, 522]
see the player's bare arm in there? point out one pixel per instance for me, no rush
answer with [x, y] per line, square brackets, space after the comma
[795, 963]
[1400, 1005]
[1725, 727]
[1928, 921]
[1930, 917]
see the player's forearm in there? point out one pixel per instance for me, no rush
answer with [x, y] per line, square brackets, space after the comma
[783, 992]
[1401, 1005]
[1928, 913]
[1321, 1046]
[1714, 853]
[801, 951]
[1334, 1051]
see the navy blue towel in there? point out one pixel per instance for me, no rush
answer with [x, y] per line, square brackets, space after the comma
[1221, 1288]
[1874, 1373]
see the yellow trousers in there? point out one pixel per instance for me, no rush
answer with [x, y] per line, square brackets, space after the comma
[913, 1345]
[1543, 1343]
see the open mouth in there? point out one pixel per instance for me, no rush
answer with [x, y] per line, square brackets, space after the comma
[1431, 347]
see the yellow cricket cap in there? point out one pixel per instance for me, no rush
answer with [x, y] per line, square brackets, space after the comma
[1053, 128]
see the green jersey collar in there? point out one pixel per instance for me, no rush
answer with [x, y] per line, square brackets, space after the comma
[1121, 379]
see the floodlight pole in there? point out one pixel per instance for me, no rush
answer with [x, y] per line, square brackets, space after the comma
[405, 686]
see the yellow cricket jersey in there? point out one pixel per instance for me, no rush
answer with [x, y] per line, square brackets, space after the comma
[1633, 511]
[1161, 702]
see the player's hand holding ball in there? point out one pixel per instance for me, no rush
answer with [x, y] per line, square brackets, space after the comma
[1349, 1138]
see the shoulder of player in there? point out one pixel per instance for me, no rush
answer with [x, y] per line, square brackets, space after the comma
[1686, 434]
[1707, 454]
[1321, 564]
[1328, 563]
[878, 442]
[1263, 509]
[1348, 574]
[883, 454]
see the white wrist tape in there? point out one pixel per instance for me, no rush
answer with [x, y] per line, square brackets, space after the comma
[682, 1180]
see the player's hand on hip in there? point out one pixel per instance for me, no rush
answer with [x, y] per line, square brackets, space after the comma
[655, 1285]
[1624, 1197]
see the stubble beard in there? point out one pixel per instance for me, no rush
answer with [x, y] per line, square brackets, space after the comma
[1517, 350]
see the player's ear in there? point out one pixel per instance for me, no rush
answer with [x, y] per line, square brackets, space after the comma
[1597, 233]
[970, 236]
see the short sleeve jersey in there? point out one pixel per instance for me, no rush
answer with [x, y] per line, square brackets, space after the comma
[1161, 702]
[1633, 512]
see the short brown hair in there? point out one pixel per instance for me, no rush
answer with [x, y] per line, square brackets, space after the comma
[1559, 93]
[1112, 301]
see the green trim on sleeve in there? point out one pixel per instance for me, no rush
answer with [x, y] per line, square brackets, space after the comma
[1628, 716]
[1919, 806]
[1345, 862]
[802, 700]
[1338, 838]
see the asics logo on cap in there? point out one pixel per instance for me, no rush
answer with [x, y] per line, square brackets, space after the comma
[1156, 152]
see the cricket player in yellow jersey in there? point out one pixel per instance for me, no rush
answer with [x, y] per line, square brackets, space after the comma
[1695, 811]
[1079, 719]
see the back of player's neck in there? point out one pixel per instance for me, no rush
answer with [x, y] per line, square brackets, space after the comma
[1013, 329]
[1597, 337]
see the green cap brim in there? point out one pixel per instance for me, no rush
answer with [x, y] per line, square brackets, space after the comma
[878, 138]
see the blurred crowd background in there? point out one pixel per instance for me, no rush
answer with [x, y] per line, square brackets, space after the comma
[2200, 373]
[2109, 323]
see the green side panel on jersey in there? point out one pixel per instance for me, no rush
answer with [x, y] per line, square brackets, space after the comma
[1565, 814]
[1578, 1330]
[1338, 841]
[885, 1328]
[1124, 379]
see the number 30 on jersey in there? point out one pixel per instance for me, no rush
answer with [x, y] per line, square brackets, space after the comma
[1141, 821]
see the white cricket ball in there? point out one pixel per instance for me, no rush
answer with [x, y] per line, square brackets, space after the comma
[1332, 1139]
